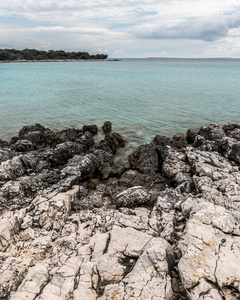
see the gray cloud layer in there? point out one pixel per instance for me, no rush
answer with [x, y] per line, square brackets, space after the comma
[202, 28]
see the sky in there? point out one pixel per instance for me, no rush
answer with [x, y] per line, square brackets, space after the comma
[124, 28]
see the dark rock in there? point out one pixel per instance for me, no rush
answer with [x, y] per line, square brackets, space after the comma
[92, 183]
[133, 196]
[86, 164]
[144, 159]
[212, 132]
[234, 152]
[107, 127]
[33, 136]
[232, 130]
[113, 142]
[6, 154]
[69, 134]
[161, 140]
[179, 137]
[14, 139]
[120, 167]
[37, 133]
[120, 139]
[86, 140]
[198, 141]
[191, 134]
[4, 144]
[26, 129]
[62, 153]
[105, 170]
[23, 146]
[229, 127]
[91, 128]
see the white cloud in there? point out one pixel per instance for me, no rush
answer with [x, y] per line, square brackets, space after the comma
[123, 27]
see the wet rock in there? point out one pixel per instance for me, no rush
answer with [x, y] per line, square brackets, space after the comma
[112, 142]
[37, 134]
[90, 128]
[107, 127]
[191, 134]
[179, 137]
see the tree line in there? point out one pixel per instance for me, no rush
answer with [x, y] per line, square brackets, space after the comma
[33, 54]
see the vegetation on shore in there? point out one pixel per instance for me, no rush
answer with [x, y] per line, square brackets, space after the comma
[33, 54]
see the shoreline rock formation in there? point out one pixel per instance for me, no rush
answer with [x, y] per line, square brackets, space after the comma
[162, 223]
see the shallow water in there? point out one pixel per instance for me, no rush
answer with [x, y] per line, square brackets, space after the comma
[142, 97]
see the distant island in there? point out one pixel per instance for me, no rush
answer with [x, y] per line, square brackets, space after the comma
[50, 55]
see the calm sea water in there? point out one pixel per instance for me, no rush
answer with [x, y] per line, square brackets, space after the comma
[142, 97]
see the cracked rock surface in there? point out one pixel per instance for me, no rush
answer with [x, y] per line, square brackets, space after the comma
[77, 222]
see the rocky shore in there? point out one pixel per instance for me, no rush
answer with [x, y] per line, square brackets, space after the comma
[162, 223]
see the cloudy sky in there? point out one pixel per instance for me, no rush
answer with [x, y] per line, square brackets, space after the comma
[124, 28]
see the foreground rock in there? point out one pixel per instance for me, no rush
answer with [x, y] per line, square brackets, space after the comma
[162, 223]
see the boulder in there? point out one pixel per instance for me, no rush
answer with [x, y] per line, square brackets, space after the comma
[133, 196]
[144, 159]
[90, 128]
[191, 134]
[107, 127]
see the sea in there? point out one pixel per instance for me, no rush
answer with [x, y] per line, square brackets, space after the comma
[141, 97]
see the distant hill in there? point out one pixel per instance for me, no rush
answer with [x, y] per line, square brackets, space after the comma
[33, 54]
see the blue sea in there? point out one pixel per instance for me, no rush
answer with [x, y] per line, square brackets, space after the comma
[141, 97]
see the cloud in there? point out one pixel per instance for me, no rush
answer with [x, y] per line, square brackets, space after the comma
[121, 27]
[202, 28]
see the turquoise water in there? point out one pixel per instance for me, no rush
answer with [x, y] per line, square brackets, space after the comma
[142, 97]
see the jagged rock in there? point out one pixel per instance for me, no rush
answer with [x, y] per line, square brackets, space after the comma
[212, 132]
[107, 127]
[35, 280]
[75, 223]
[210, 254]
[191, 134]
[90, 128]
[144, 159]
[37, 134]
[179, 137]
[133, 196]
[23, 145]
[69, 134]
[11, 169]
[232, 130]
[149, 276]
[112, 142]
[62, 153]
[177, 169]
[121, 141]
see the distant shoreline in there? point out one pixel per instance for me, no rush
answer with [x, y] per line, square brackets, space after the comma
[57, 60]
[194, 58]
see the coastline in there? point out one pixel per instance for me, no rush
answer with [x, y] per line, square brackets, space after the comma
[169, 211]
[60, 60]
